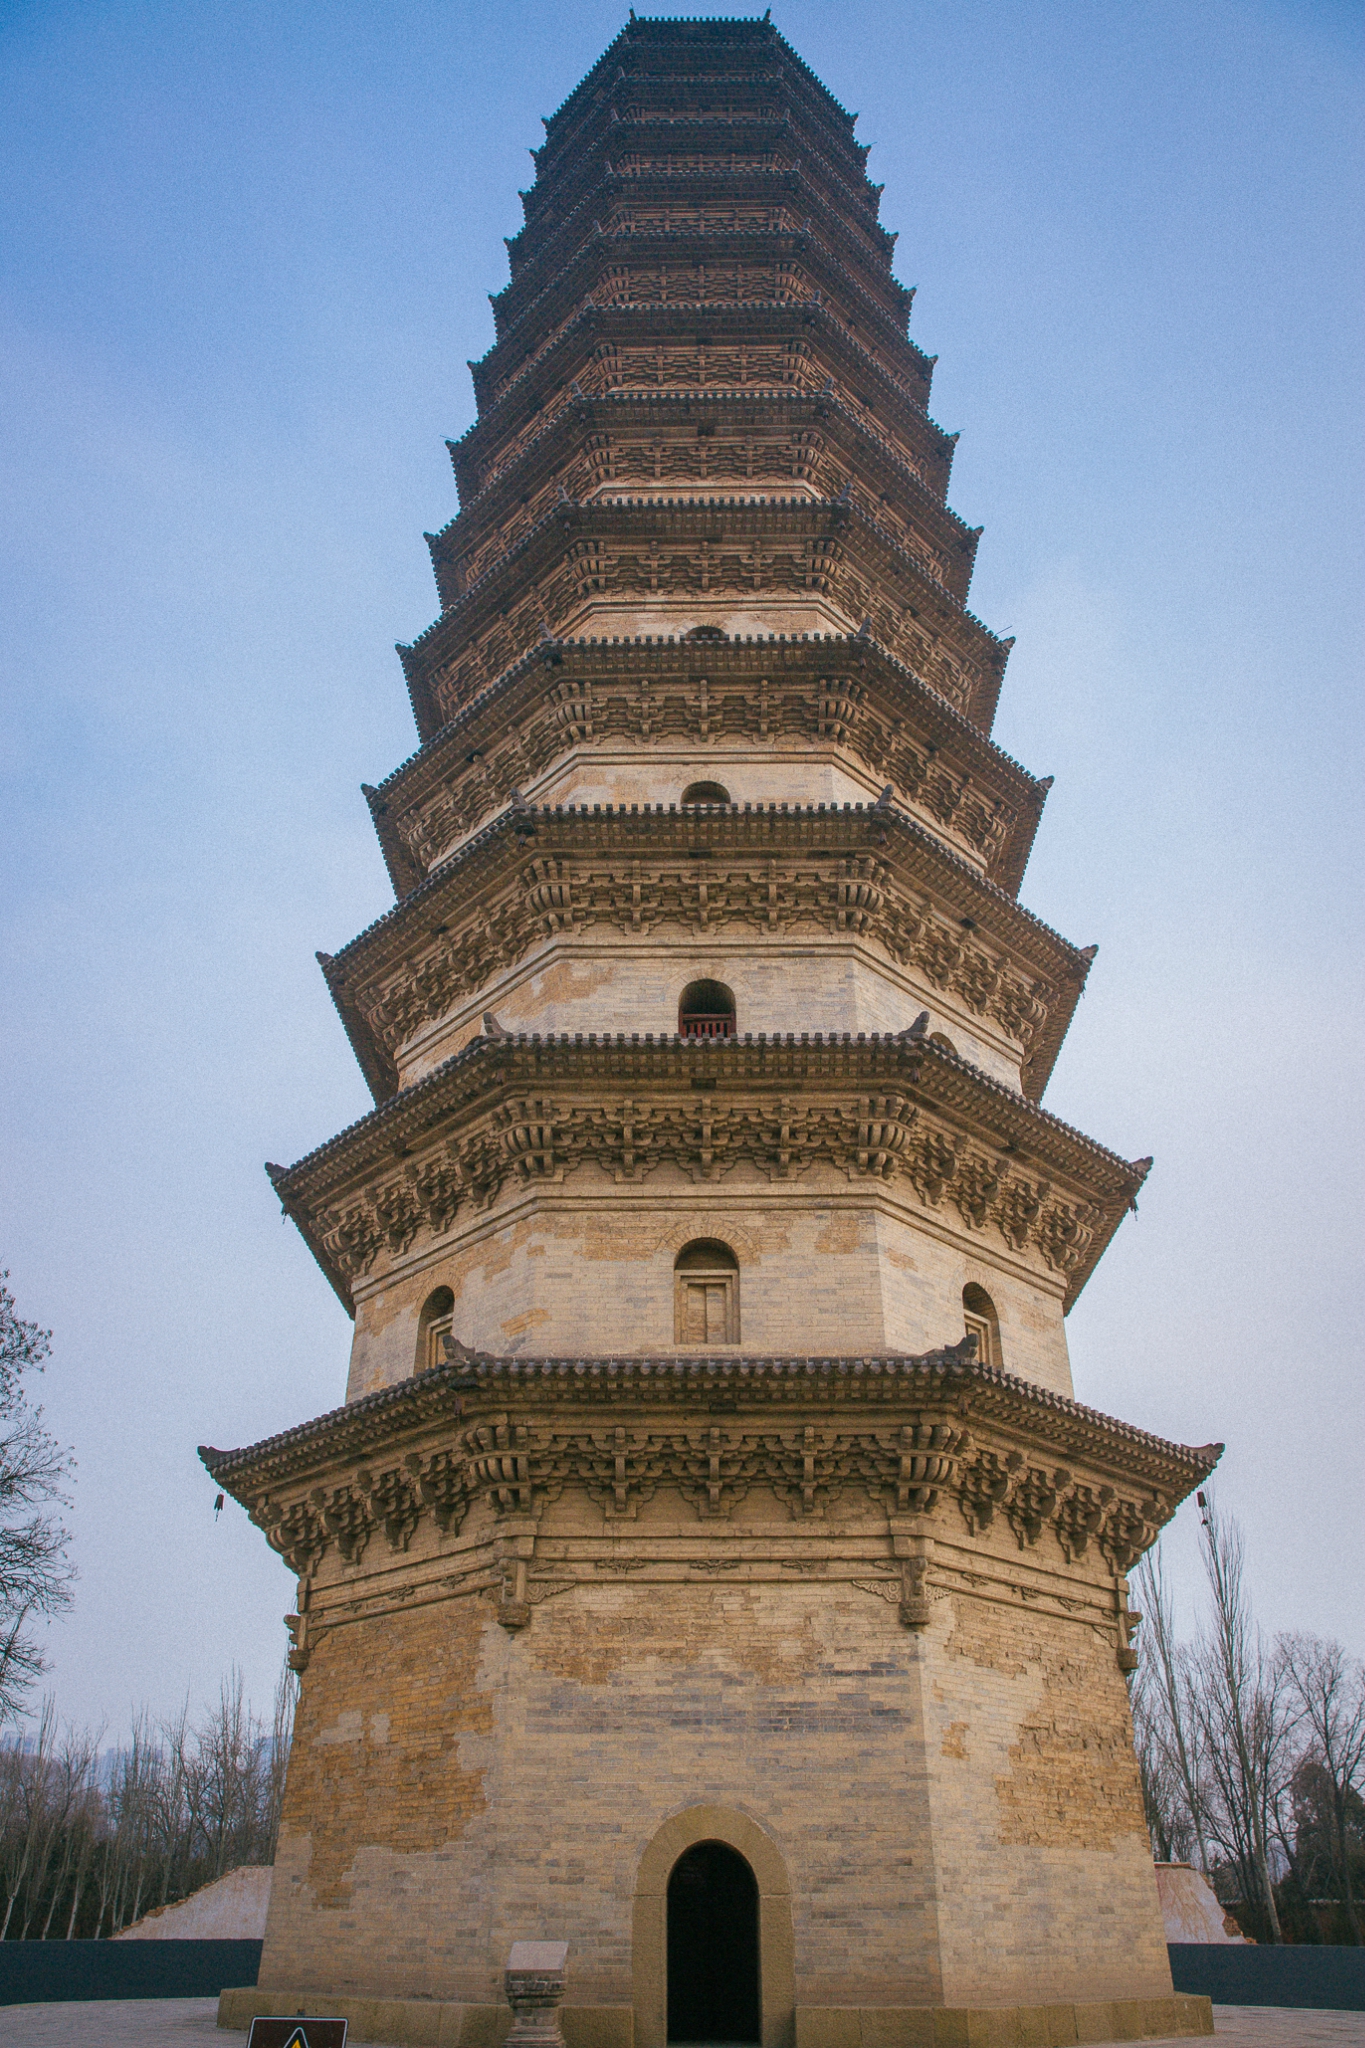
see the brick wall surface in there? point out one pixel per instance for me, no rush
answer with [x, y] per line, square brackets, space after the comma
[777, 774]
[606, 983]
[820, 1270]
[957, 1813]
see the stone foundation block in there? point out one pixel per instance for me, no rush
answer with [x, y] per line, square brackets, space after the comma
[1002, 2026]
[424, 2022]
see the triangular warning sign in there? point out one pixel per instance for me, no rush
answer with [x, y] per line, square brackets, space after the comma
[308, 2032]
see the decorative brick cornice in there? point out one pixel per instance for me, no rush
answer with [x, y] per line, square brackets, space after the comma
[856, 872]
[821, 689]
[766, 341]
[618, 442]
[523, 1114]
[912, 1436]
[748, 197]
[648, 270]
[697, 553]
[645, 141]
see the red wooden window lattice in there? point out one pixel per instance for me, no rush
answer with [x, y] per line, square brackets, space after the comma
[701, 1024]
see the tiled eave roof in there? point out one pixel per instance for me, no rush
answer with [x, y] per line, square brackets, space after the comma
[542, 315]
[950, 1377]
[531, 385]
[713, 520]
[865, 246]
[752, 831]
[528, 1058]
[544, 455]
[553, 198]
[492, 1070]
[722, 660]
[736, 406]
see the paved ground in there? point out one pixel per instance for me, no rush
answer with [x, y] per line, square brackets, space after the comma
[191, 2023]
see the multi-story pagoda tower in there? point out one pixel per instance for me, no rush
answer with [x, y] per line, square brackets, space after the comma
[710, 1567]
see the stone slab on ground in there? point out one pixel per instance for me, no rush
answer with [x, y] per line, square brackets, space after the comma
[185, 2022]
[113, 2023]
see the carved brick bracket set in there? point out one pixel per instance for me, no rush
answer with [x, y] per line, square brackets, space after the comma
[914, 1438]
[526, 1113]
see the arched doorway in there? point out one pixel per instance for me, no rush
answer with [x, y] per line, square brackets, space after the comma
[713, 1963]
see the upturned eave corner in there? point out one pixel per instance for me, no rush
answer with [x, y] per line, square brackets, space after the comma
[375, 1061]
[336, 1279]
[403, 872]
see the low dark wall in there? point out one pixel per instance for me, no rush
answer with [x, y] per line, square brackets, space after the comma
[33, 1972]
[1332, 1978]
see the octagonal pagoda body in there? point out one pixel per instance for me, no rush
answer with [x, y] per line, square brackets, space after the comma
[707, 1037]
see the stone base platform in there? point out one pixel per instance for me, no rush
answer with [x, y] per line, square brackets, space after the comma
[1002, 2026]
[430, 2023]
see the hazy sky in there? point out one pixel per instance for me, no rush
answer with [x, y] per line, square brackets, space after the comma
[246, 251]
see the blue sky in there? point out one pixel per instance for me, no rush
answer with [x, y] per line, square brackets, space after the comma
[246, 252]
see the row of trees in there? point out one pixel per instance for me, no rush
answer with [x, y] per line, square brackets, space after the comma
[91, 1840]
[35, 1572]
[1252, 1753]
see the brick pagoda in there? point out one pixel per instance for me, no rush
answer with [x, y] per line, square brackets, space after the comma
[710, 1567]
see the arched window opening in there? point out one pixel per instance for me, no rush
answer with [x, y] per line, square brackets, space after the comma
[706, 1293]
[707, 1010]
[707, 633]
[713, 1962]
[942, 1038]
[434, 1325]
[706, 793]
[981, 1322]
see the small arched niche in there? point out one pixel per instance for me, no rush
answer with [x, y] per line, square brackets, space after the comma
[706, 1293]
[434, 1325]
[705, 793]
[706, 1009]
[981, 1321]
[713, 1946]
[942, 1038]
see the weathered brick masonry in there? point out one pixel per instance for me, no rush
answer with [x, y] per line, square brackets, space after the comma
[709, 1471]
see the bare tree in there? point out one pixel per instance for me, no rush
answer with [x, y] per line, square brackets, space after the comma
[1238, 1694]
[26, 1811]
[1167, 1726]
[1328, 1691]
[230, 1778]
[88, 1843]
[35, 1575]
